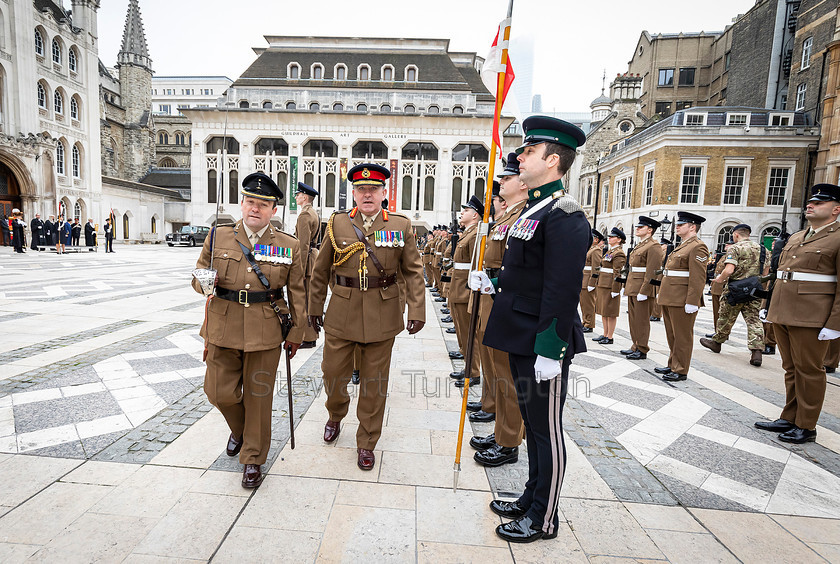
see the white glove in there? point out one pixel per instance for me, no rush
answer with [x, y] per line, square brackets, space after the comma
[762, 315]
[590, 288]
[691, 308]
[622, 292]
[613, 294]
[479, 281]
[547, 368]
[826, 334]
[641, 297]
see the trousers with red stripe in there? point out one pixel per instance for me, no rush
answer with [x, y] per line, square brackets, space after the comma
[541, 405]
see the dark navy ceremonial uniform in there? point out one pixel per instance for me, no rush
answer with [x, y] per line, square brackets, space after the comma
[535, 313]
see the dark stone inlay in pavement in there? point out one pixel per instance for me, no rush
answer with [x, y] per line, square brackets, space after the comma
[633, 396]
[72, 449]
[692, 496]
[613, 422]
[157, 345]
[172, 391]
[697, 452]
[85, 375]
[751, 469]
[15, 316]
[64, 411]
[157, 364]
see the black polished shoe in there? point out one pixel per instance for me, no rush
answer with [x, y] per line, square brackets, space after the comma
[625, 352]
[777, 426]
[473, 406]
[798, 436]
[769, 349]
[481, 416]
[662, 370]
[636, 355]
[709, 335]
[605, 341]
[598, 338]
[653, 318]
[456, 355]
[457, 375]
[674, 377]
[355, 378]
[308, 345]
[588, 329]
[829, 369]
[507, 509]
[473, 382]
[522, 530]
[252, 476]
[441, 299]
[483, 443]
[497, 455]
[234, 445]
[447, 319]
[451, 330]
[444, 310]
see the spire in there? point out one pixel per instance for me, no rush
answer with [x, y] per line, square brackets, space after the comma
[134, 50]
[603, 82]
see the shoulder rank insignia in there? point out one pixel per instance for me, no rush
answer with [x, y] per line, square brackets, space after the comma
[389, 238]
[524, 229]
[275, 255]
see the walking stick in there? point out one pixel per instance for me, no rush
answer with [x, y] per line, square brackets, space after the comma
[291, 402]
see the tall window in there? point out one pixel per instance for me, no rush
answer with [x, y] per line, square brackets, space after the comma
[405, 202]
[387, 73]
[429, 194]
[364, 72]
[777, 190]
[589, 193]
[180, 139]
[687, 77]
[60, 158]
[649, 187]
[690, 188]
[294, 71]
[666, 77]
[211, 186]
[411, 74]
[733, 186]
[56, 52]
[623, 189]
[39, 43]
[163, 138]
[233, 187]
[605, 194]
[801, 90]
[74, 108]
[340, 72]
[77, 163]
[807, 47]
[42, 96]
[72, 61]
[58, 102]
[317, 72]
[77, 211]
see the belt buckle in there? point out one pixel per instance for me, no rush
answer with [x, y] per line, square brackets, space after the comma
[664, 272]
[244, 301]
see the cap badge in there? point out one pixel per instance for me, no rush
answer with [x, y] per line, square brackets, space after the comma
[365, 173]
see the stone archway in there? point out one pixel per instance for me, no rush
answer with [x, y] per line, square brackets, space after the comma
[15, 182]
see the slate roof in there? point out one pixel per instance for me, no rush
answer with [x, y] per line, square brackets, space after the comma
[175, 178]
[55, 9]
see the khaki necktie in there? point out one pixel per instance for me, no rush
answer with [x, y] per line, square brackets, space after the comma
[367, 223]
[254, 238]
[810, 234]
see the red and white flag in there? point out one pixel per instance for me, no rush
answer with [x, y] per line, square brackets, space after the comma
[498, 61]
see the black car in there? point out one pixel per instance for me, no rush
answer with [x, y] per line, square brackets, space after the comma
[191, 235]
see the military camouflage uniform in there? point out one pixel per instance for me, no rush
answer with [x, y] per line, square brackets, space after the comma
[745, 255]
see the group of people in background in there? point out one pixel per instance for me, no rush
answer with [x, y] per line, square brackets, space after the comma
[59, 233]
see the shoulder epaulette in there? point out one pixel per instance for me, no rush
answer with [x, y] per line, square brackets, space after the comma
[567, 204]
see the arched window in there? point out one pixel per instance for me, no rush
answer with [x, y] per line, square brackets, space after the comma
[370, 150]
[317, 71]
[56, 51]
[74, 108]
[433, 109]
[180, 139]
[125, 226]
[72, 60]
[42, 96]
[244, 104]
[361, 107]
[291, 106]
[60, 158]
[58, 102]
[267, 105]
[338, 106]
[77, 210]
[77, 162]
[314, 107]
[411, 73]
[468, 152]
[316, 147]
[457, 110]
[219, 143]
[409, 109]
[770, 233]
[364, 72]
[163, 138]
[39, 43]
[274, 145]
[426, 151]
[387, 73]
[293, 71]
[385, 108]
[340, 72]
[724, 235]
[168, 163]
[154, 225]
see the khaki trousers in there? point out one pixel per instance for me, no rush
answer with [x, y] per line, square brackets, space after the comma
[832, 356]
[769, 335]
[462, 327]
[241, 386]
[639, 319]
[679, 329]
[309, 333]
[488, 382]
[802, 359]
[509, 429]
[656, 310]
[374, 368]
[587, 308]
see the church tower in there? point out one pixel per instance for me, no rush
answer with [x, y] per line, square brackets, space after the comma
[135, 68]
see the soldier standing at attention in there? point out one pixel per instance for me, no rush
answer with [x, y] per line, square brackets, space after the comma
[716, 288]
[459, 296]
[307, 229]
[534, 317]
[501, 446]
[590, 280]
[645, 260]
[243, 328]
[656, 309]
[805, 312]
[608, 300]
[360, 257]
[742, 261]
[681, 295]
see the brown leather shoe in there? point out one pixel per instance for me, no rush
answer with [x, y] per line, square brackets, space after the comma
[252, 476]
[331, 431]
[366, 459]
[234, 445]
[713, 346]
[755, 359]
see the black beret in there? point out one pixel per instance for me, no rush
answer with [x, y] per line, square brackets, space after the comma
[742, 226]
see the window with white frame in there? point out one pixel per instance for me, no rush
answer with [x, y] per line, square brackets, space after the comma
[42, 96]
[801, 90]
[39, 43]
[317, 71]
[56, 51]
[589, 191]
[649, 186]
[780, 120]
[58, 102]
[411, 73]
[363, 72]
[206, 92]
[691, 183]
[807, 47]
[738, 119]
[293, 71]
[72, 60]
[733, 184]
[777, 187]
[340, 72]
[74, 108]
[605, 194]
[59, 158]
[77, 162]
[695, 119]
[623, 189]
[387, 73]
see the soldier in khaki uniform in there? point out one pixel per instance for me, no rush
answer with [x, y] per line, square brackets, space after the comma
[608, 300]
[681, 295]
[459, 293]
[645, 259]
[742, 260]
[656, 309]
[805, 312]
[242, 329]
[590, 280]
[307, 228]
[437, 262]
[428, 253]
[361, 255]
[501, 446]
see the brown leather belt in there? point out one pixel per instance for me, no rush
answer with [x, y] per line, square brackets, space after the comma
[372, 281]
[245, 297]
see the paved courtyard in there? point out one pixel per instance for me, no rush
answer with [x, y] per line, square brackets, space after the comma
[109, 450]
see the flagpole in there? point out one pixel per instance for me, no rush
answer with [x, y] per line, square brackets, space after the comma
[482, 232]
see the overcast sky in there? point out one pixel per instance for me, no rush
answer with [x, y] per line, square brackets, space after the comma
[564, 45]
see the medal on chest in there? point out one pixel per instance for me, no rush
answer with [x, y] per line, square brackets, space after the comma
[500, 233]
[389, 239]
[524, 229]
[274, 255]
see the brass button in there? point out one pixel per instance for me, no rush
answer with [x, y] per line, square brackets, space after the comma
[249, 269]
[794, 256]
[500, 290]
[225, 255]
[247, 286]
[507, 247]
[503, 268]
[247, 305]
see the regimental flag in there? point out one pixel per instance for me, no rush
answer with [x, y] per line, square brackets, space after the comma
[498, 61]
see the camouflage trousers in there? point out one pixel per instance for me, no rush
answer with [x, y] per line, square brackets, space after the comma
[727, 316]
